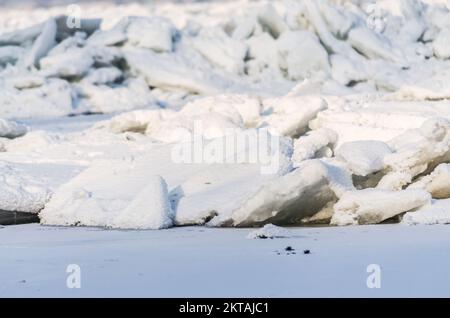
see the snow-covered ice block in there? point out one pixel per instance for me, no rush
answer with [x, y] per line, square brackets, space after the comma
[26, 187]
[24, 81]
[150, 209]
[425, 82]
[72, 63]
[42, 45]
[180, 128]
[114, 35]
[105, 55]
[316, 143]
[103, 75]
[243, 28]
[416, 149]
[19, 192]
[291, 115]
[111, 194]
[78, 40]
[415, 21]
[363, 157]
[21, 36]
[230, 177]
[241, 109]
[210, 117]
[437, 182]
[212, 194]
[11, 129]
[54, 98]
[34, 140]
[168, 71]
[436, 212]
[151, 33]
[168, 126]
[129, 95]
[199, 189]
[293, 196]
[372, 45]
[263, 54]
[218, 48]
[301, 54]
[363, 119]
[271, 21]
[441, 45]
[371, 206]
[144, 121]
[316, 17]
[345, 71]
[339, 21]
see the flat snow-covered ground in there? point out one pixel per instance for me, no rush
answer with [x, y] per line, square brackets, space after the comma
[214, 262]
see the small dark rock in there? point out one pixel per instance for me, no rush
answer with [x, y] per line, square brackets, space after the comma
[306, 252]
[289, 248]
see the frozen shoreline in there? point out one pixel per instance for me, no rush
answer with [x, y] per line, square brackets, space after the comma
[205, 262]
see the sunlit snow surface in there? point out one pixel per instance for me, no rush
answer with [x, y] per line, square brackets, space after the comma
[352, 99]
[202, 262]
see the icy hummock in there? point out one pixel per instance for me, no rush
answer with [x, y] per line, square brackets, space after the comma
[11, 129]
[436, 212]
[352, 98]
[145, 205]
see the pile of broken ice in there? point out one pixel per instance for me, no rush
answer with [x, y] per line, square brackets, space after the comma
[355, 94]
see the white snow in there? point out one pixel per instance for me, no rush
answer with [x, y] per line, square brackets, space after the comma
[27, 187]
[155, 34]
[291, 115]
[221, 50]
[43, 43]
[229, 114]
[20, 191]
[363, 157]
[314, 144]
[74, 63]
[269, 231]
[150, 209]
[437, 182]
[436, 212]
[347, 95]
[103, 75]
[370, 206]
[441, 46]
[88, 200]
[294, 196]
[49, 100]
[185, 262]
[301, 54]
[11, 129]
